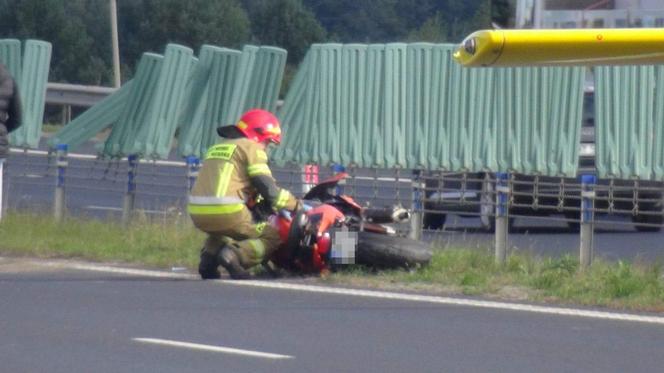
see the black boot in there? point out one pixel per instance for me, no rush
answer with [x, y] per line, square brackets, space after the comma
[207, 267]
[231, 262]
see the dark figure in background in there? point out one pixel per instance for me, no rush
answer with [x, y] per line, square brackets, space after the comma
[10, 110]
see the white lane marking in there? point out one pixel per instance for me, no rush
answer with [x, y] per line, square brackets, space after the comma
[559, 311]
[201, 347]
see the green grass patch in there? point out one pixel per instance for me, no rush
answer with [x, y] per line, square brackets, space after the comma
[525, 277]
[173, 241]
[160, 243]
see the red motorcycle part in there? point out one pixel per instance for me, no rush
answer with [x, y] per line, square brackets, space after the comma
[328, 216]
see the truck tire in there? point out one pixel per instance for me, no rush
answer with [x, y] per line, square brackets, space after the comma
[433, 221]
[383, 251]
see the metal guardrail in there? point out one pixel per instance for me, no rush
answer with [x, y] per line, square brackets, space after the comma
[82, 95]
[76, 95]
[161, 188]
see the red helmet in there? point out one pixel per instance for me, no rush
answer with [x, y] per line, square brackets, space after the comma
[260, 125]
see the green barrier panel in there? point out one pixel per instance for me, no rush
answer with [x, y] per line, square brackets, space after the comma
[208, 99]
[538, 119]
[32, 85]
[627, 145]
[234, 83]
[658, 138]
[467, 117]
[102, 115]
[154, 139]
[394, 105]
[289, 112]
[258, 80]
[351, 109]
[137, 108]
[10, 56]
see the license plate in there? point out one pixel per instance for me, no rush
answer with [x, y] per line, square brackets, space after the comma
[344, 244]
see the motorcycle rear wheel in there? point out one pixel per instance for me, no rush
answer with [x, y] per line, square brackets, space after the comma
[383, 251]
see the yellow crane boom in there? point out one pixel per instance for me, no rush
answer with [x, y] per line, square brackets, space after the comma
[562, 47]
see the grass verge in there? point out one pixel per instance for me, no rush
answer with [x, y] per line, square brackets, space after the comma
[172, 241]
[162, 243]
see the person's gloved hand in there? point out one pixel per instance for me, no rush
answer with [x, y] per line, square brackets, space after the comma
[301, 206]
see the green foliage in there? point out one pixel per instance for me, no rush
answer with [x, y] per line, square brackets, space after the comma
[65, 24]
[148, 25]
[80, 30]
[286, 24]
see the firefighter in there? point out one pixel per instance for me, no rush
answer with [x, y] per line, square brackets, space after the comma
[233, 171]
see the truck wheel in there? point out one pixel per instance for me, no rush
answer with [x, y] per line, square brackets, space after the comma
[433, 221]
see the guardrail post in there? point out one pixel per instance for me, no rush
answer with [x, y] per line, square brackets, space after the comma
[587, 219]
[2, 195]
[417, 217]
[130, 194]
[193, 165]
[502, 219]
[61, 164]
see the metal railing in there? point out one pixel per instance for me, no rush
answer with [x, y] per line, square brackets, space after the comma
[117, 189]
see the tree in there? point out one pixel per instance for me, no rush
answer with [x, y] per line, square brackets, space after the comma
[502, 12]
[370, 21]
[193, 22]
[62, 24]
[433, 30]
[287, 24]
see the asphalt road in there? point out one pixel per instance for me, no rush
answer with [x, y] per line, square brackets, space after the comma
[96, 189]
[56, 319]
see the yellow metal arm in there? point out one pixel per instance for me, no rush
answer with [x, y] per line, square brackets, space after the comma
[562, 47]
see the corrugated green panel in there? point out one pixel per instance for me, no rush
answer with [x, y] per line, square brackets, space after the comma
[209, 99]
[291, 110]
[394, 109]
[259, 77]
[445, 128]
[242, 82]
[326, 146]
[32, 83]
[372, 128]
[352, 108]
[155, 137]
[474, 131]
[658, 138]
[10, 56]
[92, 121]
[626, 142]
[538, 115]
[394, 105]
[266, 79]
[138, 105]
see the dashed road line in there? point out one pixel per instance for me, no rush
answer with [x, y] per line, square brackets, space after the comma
[211, 348]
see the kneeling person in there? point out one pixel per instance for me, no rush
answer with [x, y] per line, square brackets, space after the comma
[232, 172]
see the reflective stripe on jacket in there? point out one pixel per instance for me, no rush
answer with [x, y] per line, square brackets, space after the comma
[234, 171]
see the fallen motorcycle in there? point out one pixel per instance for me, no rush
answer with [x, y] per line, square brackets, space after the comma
[332, 230]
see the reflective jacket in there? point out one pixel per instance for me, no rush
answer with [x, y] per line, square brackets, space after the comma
[234, 171]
